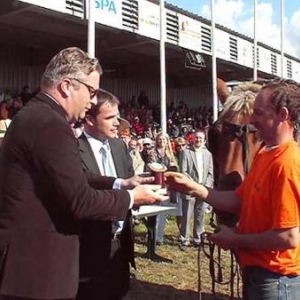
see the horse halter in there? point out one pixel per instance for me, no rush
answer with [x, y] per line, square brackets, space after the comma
[241, 133]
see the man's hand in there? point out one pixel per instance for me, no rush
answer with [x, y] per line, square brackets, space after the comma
[149, 193]
[183, 184]
[225, 237]
[135, 181]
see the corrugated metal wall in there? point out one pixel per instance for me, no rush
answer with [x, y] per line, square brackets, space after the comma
[16, 71]
[128, 87]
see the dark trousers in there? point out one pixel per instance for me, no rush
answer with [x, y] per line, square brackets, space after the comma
[112, 282]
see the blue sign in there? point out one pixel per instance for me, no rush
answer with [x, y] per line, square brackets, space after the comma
[107, 5]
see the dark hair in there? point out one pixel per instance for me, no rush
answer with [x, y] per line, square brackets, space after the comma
[285, 93]
[134, 139]
[103, 96]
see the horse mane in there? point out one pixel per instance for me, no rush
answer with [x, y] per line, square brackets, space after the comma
[239, 103]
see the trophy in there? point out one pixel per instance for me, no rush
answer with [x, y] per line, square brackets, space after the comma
[158, 170]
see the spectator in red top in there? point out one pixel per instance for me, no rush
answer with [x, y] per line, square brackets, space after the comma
[138, 126]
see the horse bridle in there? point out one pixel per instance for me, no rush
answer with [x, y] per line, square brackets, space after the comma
[241, 133]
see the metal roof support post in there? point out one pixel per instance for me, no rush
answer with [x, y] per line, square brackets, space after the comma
[214, 63]
[255, 41]
[90, 5]
[282, 37]
[163, 104]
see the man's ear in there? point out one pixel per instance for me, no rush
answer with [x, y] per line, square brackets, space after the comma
[284, 114]
[89, 120]
[64, 88]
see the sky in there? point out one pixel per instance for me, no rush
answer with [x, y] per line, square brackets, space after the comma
[238, 15]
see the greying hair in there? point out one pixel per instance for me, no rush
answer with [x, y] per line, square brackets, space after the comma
[69, 63]
[240, 102]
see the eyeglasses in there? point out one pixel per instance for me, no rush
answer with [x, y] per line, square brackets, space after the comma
[93, 92]
[181, 145]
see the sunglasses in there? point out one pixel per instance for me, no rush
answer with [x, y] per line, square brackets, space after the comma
[93, 92]
[181, 145]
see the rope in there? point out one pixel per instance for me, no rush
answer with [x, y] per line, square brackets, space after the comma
[216, 268]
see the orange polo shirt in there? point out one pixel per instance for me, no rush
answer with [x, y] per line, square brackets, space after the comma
[271, 200]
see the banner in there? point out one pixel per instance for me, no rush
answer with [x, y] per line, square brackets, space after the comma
[264, 58]
[149, 19]
[108, 12]
[222, 44]
[189, 33]
[58, 5]
[245, 53]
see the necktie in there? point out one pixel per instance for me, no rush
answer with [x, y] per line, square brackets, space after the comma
[109, 171]
[107, 167]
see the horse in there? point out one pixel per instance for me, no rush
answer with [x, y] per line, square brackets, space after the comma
[233, 142]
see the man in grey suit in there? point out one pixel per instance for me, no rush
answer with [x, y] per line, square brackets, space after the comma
[197, 163]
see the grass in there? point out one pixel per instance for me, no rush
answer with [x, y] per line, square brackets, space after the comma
[177, 280]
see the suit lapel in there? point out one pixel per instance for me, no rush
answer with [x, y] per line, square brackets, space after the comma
[87, 155]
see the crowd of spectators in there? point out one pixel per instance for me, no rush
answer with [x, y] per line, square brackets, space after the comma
[11, 102]
[181, 120]
[143, 137]
[143, 115]
[148, 144]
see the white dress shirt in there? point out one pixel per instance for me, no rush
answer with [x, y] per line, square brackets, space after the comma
[96, 146]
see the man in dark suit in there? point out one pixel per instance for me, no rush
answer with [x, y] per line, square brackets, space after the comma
[43, 189]
[106, 248]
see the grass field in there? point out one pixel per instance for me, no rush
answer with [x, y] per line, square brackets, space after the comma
[177, 280]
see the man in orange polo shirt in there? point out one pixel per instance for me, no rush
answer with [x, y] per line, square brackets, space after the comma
[267, 240]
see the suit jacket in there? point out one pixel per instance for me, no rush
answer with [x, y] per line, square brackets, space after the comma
[188, 166]
[43, 194]
[95, 238]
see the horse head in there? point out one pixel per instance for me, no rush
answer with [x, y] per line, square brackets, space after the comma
[233, 141]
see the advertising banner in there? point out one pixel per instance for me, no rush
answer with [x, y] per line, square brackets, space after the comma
[58, 5]
[108, 12]
[149, 19]
[264, 57]
[222, 44]
[189, 33]
[245, 53]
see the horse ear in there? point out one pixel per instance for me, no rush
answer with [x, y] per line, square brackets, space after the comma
[222, 90]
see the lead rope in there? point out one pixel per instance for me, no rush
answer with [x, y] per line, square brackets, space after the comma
[208, 249]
